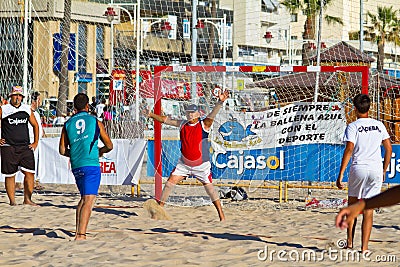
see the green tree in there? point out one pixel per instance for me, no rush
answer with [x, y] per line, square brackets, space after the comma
[395, 35]
[310, 8]
[382, 29]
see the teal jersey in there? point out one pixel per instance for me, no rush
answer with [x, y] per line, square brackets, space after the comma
[83, 135]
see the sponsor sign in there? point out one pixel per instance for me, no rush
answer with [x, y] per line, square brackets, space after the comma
[121, 166]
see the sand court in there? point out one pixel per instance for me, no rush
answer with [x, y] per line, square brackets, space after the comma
[122, 233]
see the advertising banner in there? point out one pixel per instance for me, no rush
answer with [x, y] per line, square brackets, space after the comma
[314, 162]
[298, 142]
[294, 124]
[121, 166]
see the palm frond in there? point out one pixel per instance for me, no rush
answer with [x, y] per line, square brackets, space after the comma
[332, 20]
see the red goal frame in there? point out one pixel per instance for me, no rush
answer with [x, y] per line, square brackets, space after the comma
[158, 70]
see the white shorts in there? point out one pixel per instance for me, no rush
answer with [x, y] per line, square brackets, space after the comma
[202, 172]
[364, 183]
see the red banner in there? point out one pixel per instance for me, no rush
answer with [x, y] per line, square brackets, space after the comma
[171, 89]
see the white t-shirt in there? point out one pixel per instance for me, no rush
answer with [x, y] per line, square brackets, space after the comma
[100, 110]
[367, 135]
[39, 122]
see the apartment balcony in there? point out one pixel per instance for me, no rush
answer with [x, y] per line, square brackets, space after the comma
[270, 19]
[151, 42]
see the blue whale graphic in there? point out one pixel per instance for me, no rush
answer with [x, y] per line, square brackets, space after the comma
[234, 131]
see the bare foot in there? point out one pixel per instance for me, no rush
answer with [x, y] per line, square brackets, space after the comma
[12, 203]
[30, 202]
[79, 236]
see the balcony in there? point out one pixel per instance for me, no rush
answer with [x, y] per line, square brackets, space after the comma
[152, 42]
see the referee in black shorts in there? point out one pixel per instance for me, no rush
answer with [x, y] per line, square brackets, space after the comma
[16, 148]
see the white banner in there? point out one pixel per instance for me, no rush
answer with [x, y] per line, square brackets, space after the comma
[121, 166]
[294, 124]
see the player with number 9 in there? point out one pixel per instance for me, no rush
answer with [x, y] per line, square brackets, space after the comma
[79, 138]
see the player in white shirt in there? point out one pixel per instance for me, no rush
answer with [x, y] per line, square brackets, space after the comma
[363, 139]
[35, 102]
[100, 109]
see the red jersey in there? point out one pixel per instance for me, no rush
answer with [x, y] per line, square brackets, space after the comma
[195, 146]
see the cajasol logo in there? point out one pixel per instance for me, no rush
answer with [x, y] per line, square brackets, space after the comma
[240, 162]
[394, 167]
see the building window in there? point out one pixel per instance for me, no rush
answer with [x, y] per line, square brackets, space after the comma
[82, 48]
[99, 42]
[293, 17]
[101, 62]
[82, 88]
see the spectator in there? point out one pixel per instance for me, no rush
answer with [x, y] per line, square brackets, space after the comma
[100, 109]
[92, 106]
[35, 100]
[106, 116]
[59, 121]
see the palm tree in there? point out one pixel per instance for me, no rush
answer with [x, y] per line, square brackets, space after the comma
[64, 83]
[310, 8]
[395, 36]
[382, 30]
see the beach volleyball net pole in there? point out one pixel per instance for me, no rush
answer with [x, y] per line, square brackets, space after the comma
[275, 127]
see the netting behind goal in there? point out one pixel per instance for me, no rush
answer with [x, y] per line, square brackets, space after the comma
[277, 136]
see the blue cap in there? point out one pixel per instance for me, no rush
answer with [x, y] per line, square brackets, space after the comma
[191, 108]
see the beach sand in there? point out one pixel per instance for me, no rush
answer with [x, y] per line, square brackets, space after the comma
[121, 233]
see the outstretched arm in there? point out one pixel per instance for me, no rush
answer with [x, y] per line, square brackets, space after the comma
[210, 117]
[384, 199]
[164, 119]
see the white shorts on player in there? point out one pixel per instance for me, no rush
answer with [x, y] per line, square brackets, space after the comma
[364, 183]
[202, 172]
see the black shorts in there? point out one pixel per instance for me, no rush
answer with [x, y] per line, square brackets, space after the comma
[13, 157]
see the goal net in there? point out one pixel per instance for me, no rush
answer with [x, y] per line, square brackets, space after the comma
[278, 135]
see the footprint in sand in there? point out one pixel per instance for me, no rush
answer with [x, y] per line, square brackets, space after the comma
[155, 210]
